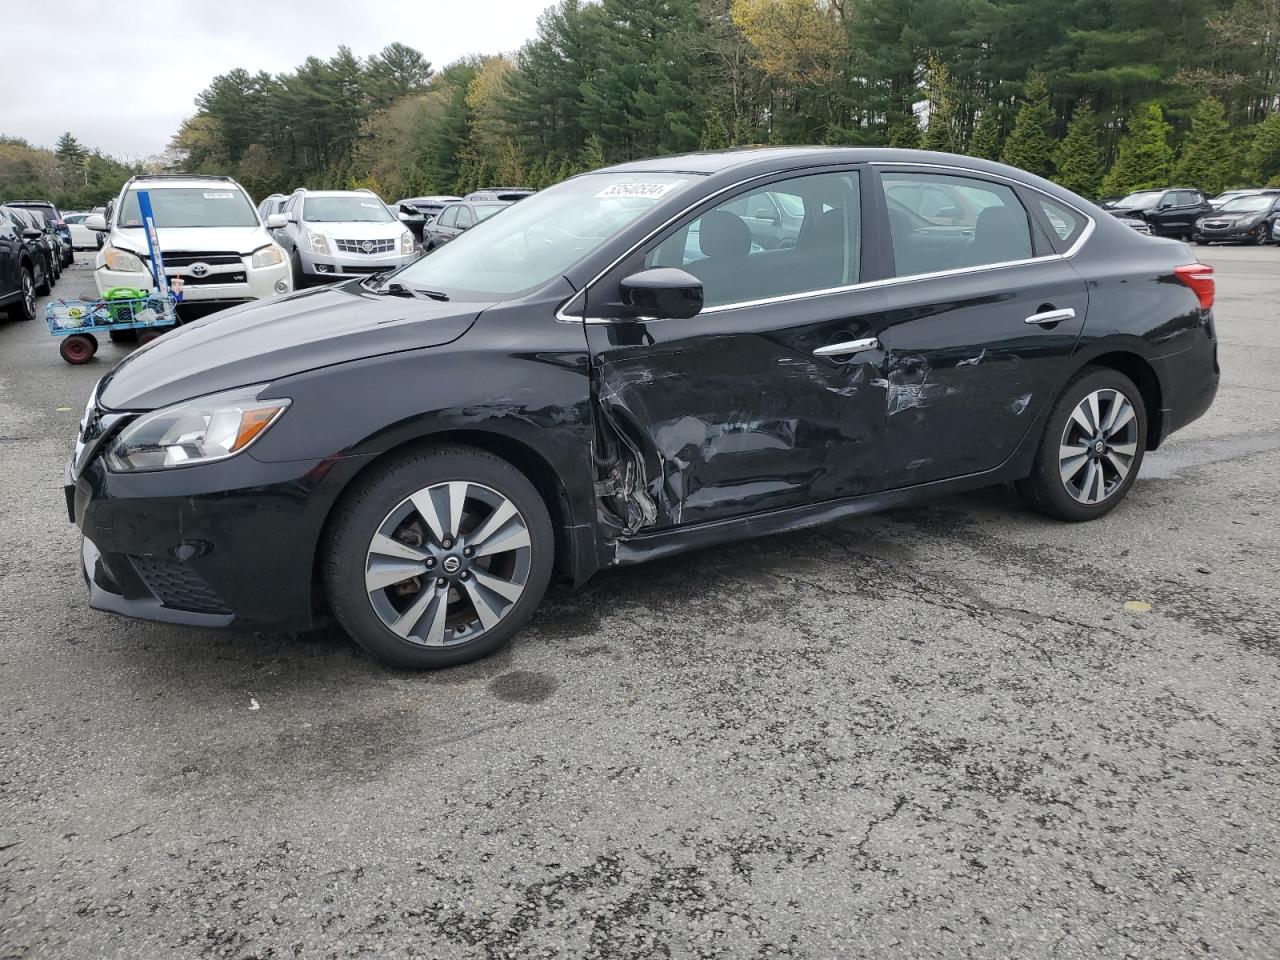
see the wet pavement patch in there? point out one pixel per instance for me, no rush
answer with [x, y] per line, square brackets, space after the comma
[523, 686]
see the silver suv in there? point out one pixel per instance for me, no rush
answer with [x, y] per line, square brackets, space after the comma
[334, 234]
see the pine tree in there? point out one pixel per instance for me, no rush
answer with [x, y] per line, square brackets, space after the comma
[1080, 163]
[1145, 159]
[1263, 159]
[987, 142]
[941, 133]
[1029, 146]
[1207, 160]
[715, 135]
[904, 131]
[592, 156]
[69, 150]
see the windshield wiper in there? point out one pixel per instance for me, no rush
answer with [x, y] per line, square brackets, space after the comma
[400, 290]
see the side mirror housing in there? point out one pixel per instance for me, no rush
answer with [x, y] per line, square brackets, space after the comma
[31, 233]
[403, 216]
[663, 293]
[96, 221]
[276, 220]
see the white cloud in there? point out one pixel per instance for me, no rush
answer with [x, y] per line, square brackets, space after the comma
[129, 74]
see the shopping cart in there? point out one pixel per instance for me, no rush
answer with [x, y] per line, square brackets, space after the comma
[76, 321]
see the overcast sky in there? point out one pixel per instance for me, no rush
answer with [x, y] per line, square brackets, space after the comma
[128, 73]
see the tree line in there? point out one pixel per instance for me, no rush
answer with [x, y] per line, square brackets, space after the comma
[71, 175]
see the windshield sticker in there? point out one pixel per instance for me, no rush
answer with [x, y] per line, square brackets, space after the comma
[643, 191]
[219, 196]
[371, 206]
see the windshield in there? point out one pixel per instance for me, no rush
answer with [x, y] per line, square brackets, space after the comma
[356, 209]
[191, 207]
[1247, 204]
[486, 210]
[1143, 198]
[541, 237]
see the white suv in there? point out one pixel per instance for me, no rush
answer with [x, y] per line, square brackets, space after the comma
[210, 235]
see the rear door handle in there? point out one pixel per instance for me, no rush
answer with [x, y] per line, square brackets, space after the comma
[848, 348]
[1051, 316]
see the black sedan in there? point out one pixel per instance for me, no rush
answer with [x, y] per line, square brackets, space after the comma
[454, 218]
[575, 384]
[1241, 220]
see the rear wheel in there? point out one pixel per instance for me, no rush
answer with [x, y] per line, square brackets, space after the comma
[1260, 236]
[26, 306]
[439, 558]
[78, 348]
[46, 283]
[1092, 447]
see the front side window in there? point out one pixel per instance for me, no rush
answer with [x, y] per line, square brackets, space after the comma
[986, 224]
[216, 206]
[809, 241]
[345, 210]
[543, 236]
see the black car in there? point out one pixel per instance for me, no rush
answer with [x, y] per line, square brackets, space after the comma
[52, 239]
[58, 222]
[454, 218]
[573, 385]
[19, 269]
[1244, 219]
[37, 245]
[416, 212]
[1171, 212]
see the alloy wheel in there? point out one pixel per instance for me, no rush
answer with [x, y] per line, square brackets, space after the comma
[448, 563]
[29, 293]
[1098, 446]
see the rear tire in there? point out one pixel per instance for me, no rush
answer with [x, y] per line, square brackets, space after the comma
[25, 308]
[78, 348]
[123, 336]
[414, 602]
[1091, 450]
[1260, 236]
[45, 288]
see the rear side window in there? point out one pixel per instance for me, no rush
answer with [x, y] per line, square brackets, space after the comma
[465, 219]
[790, 238]
[939, 222]
[449, 217]
[1066, 224]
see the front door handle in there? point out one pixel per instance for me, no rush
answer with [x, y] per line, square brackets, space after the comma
[848, 348]
[1051, 316]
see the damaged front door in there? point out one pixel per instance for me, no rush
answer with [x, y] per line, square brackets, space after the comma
[764, 400]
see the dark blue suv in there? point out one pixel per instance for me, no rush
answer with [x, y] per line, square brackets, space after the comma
[54, 217]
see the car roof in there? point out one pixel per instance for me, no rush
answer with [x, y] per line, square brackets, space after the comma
[198, 183]
[309, 194]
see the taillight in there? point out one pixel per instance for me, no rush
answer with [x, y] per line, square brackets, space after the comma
[1199, 277]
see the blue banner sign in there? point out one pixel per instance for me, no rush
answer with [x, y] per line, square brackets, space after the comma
[153, 243]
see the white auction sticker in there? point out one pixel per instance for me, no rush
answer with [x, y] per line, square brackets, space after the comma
[219, 196]
[642, 191]
[371, 206]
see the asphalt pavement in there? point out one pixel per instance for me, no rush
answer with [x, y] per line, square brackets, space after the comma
[952, 730]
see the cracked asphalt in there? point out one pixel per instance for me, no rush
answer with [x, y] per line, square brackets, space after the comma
[937, 732]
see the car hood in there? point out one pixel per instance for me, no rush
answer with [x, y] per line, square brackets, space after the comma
[242, 240]
[270, 339]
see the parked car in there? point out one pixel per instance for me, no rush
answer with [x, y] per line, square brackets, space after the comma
[19, 269]
[1169, 213]
[82, 238]
[1222, 198]
[210, 235]
[1244, 219]
[53, 241]
[39, 247]
[457, 217]
[560, 390]
[335, 234]
[414, 212]
[507, 194]
[272, 205]
[56, 219]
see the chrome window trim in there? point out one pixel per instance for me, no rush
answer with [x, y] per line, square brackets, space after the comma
[1075, 248]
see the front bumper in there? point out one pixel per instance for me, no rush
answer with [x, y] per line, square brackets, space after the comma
[1230, 232]
[344, 266]
[258, 283]
[226, 544]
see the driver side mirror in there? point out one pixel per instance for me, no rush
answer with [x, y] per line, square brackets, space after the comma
[276, 220]
[1165, 204]
[96, 221]
[663, 293]
[31, 233]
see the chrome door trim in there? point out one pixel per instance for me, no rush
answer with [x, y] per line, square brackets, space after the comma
[1052, 316]
[848, 348]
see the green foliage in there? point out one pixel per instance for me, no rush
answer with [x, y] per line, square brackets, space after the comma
[1262, 164]
[904, 132]
[987, 141]
[73, 181]
[1028, 145]
[715, 136]
[1080, 163]
[942, 132]
[592, 156]
[1208, 159]
[1145, 159]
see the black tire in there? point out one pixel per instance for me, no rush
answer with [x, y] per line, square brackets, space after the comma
[146, 336]
[1260, 236]
[45, 288]
[123, 336]
[25, 308]
[295, 266]
[368, 505]
[78, 348]
[1045, 489]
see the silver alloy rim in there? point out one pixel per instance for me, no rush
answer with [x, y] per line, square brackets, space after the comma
[1098, 447]
[29, 292]
[448, 563]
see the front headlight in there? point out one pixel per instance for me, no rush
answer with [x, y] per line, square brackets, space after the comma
[123, 261]
[318, 242]
[406, 242]
[197, 431]
[267, 256]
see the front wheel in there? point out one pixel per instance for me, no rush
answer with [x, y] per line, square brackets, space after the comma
[27, 303]
[1092, 447]
[1261, 235]
[438, 558]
